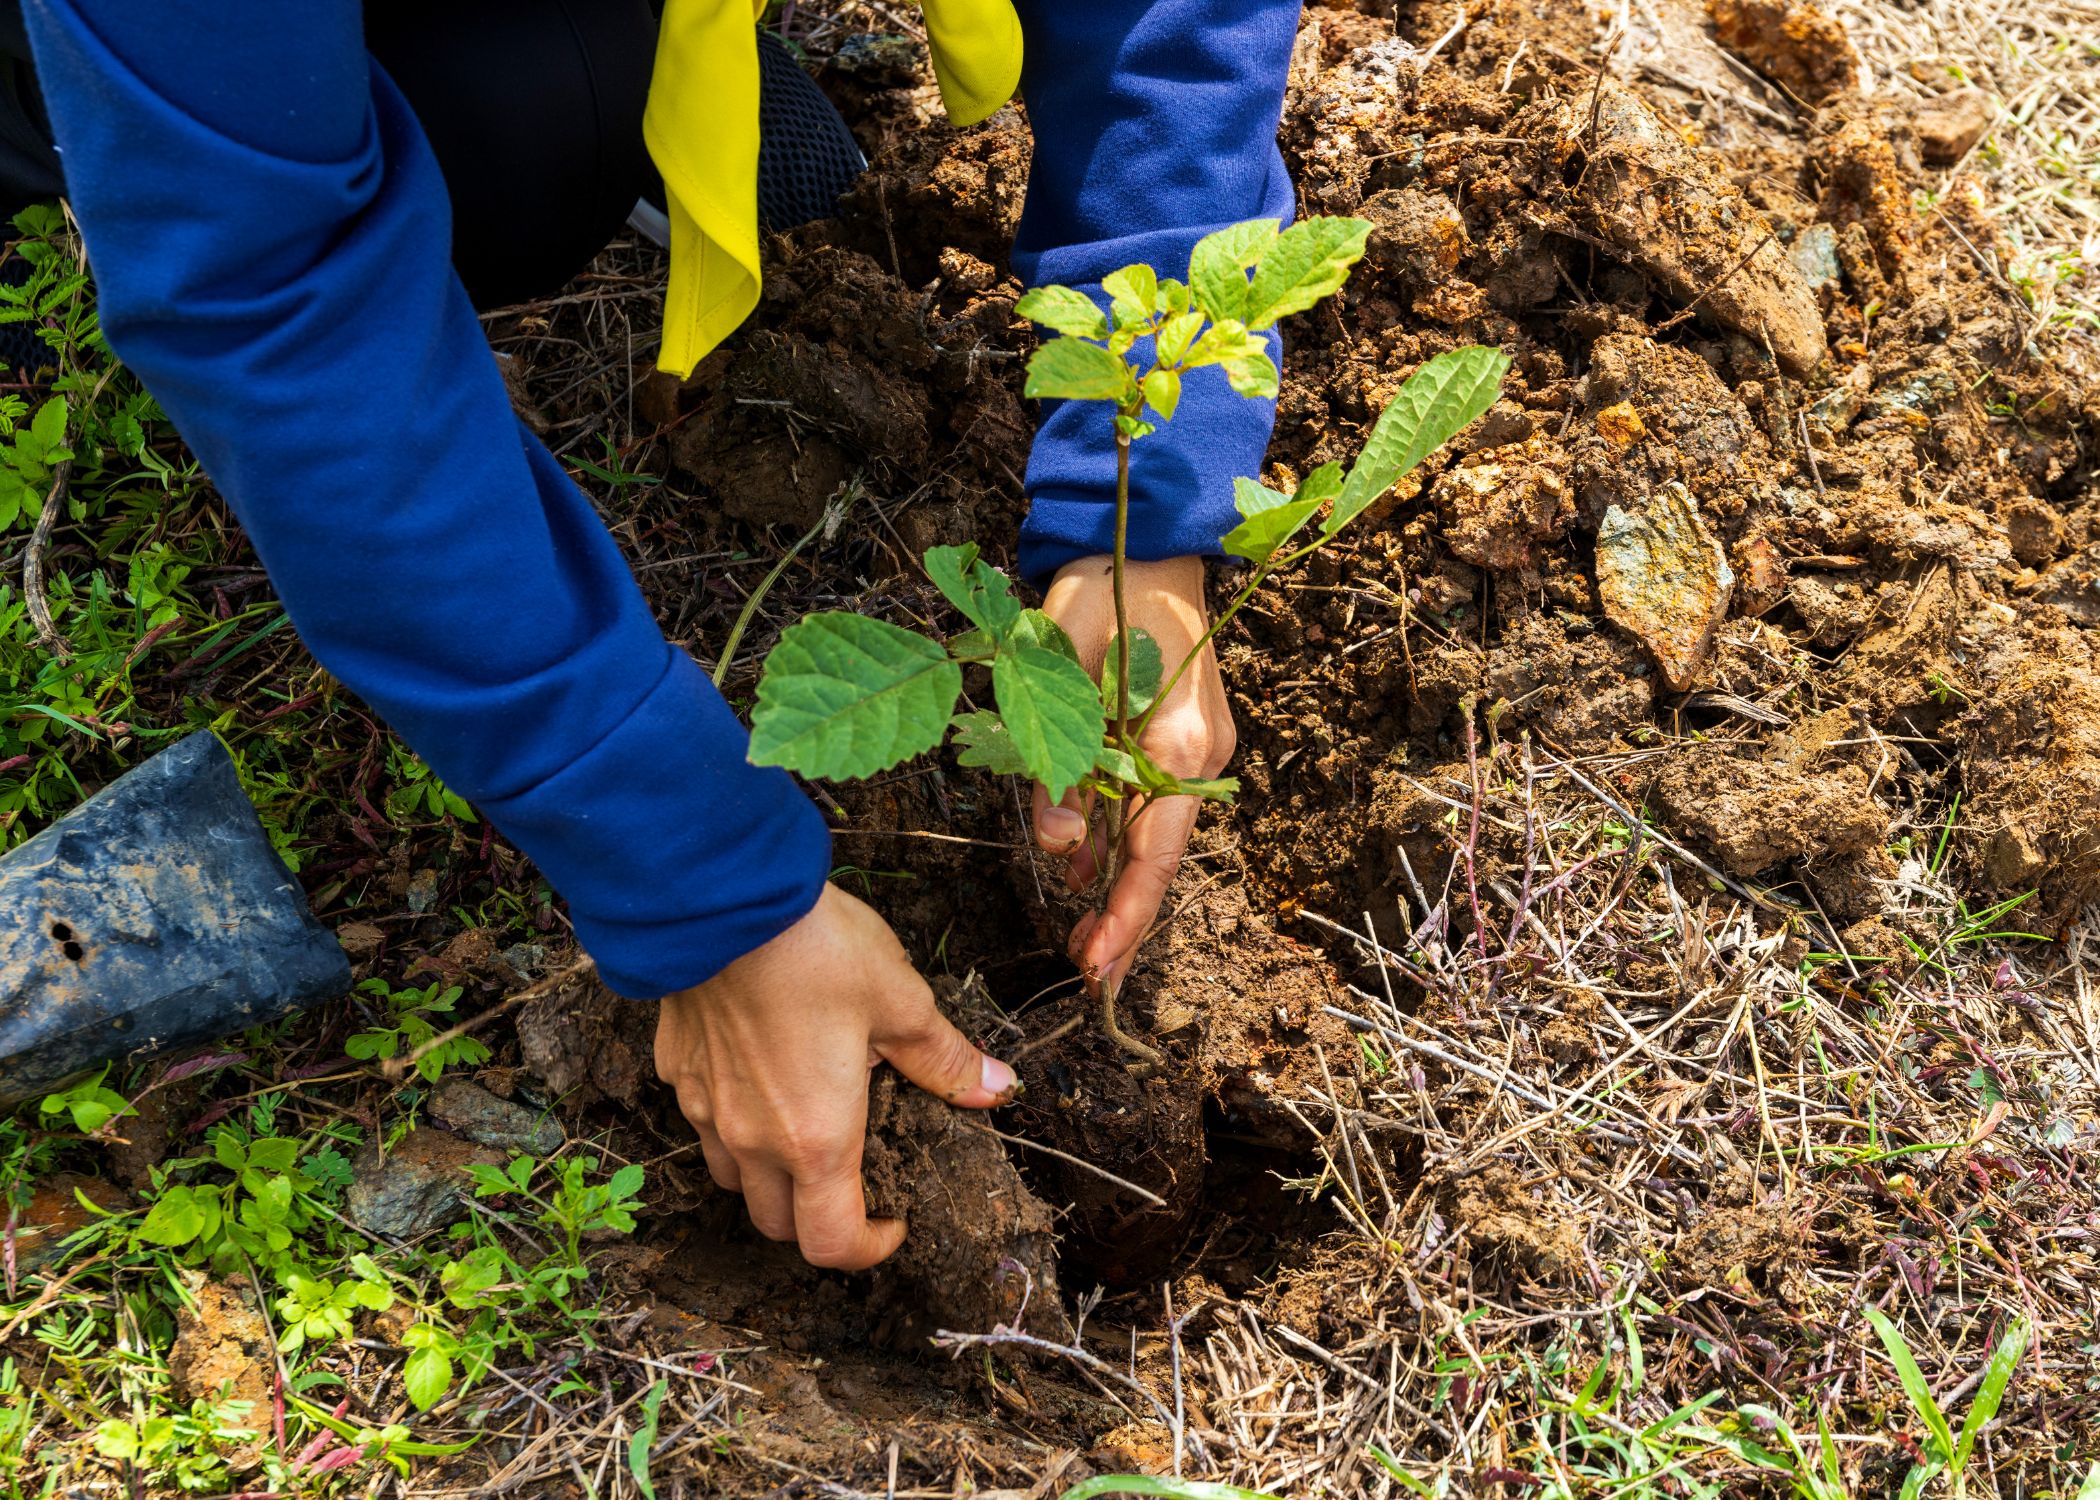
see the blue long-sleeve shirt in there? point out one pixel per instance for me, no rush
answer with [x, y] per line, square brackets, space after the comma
[270, 237]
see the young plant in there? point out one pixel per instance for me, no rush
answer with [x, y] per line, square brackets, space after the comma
[845, 696]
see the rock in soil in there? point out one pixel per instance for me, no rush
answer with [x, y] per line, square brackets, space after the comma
[417, 1187]
[54, 1212]
[1658, 203]
[1663, 579]
[223, 1349]
[469, 1110]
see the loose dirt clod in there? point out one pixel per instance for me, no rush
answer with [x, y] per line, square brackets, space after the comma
[1663, 578]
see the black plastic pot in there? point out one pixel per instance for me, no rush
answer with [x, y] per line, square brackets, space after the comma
[154, 915]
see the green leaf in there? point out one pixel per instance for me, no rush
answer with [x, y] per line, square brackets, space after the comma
[426, 1376]
[1222, 341]
[846, 696]
[1992, 1391]
[1272, 518]
[1053, 713]
[2090, 1489]
[644, 1439]
[1135, 290]
[1172, 341]
[116, 1438]
[981, 740]
[1037, 629]
[982, 592]
[1119, 764]
[1134, 427]
[1309, 261]
[1251, 375]
[1217, 789]
[1062, 308]
[1436, 403]
[1146, 669]
[1218, 266]
[1076, 370]
[1174, 297]
[626, 1182]
[176, 1218]
[1163, 393]
[1913, 1379]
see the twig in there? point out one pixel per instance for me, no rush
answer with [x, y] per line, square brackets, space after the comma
[395, 1069]
[1722, 280]
[1065, 1156]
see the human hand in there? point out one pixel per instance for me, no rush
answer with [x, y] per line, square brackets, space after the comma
[1191, 735]
[771, 1058]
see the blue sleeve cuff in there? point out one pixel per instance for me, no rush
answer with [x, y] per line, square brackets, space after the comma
[676, 854]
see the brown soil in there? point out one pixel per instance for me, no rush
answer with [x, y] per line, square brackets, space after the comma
[1814, 413]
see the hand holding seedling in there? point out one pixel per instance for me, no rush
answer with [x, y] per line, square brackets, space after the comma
[770, 1061]
[1191, 736]
[844, 695]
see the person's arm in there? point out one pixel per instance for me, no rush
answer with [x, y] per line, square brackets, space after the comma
[270, 239]
[1155, 123]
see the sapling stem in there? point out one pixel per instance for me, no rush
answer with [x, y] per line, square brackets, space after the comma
[1148, 1058]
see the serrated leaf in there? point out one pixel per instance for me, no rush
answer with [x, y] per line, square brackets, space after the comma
[1116, 764]
[1218, 266]
[1035, 628]
[1174, 297]
[1436, 403]
[1163, 393]
[1146, 670]
[981, 740]
[1052, 712]
[1273, 518]
[426, 1376]
[982, 592]
[846, 696]
[1074, 370]
[1250, 375]
[1309, 261]
[1062, 308]
[1222, 341]
[1134, 291]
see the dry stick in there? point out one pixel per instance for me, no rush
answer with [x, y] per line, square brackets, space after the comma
[39, 607]
[1693, 306]
[830, 518]
[1102, 1172]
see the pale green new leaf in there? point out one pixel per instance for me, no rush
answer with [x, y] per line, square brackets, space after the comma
[1075, 370]
[2090, 1489]
[1992, 1391]
[846, 696]
[1163, 393]
[1174, 336]
[1914, 1386]
[1273, 518]
[1062, 308]
[981, 740]
[1053, 714]
[1309, 261]
[1435, 404]
[1146, 669]
[1218, 266]
[1135, 293]
[1222, 341]
[1250, 375]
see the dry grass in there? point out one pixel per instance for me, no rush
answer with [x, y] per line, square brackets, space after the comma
[2038, 169]
[1689, 1142]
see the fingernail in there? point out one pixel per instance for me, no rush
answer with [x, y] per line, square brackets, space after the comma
[998, 1079]
[1062, 826]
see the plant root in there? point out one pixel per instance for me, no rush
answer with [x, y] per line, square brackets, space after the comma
[1149, 1059]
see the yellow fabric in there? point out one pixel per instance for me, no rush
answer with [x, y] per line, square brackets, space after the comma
[701, 126]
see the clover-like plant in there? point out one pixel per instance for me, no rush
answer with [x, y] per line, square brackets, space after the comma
[845, 696]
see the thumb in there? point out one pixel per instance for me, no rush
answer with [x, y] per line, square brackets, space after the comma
[1059, 826]
[941, 1060]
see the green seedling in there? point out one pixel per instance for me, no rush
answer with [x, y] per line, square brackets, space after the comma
[845, 696]
[1946, 1451]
